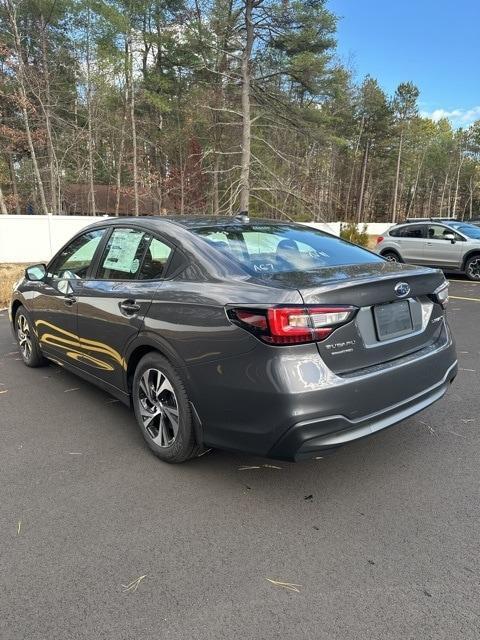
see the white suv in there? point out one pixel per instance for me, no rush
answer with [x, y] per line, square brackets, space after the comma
[452, 246]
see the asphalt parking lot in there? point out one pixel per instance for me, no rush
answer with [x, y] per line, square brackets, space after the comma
[100, 540]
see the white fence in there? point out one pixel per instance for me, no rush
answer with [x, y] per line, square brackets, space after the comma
[33, 239]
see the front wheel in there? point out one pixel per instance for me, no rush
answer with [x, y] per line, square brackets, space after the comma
[162, 410]
[27, 340]
[472, 268]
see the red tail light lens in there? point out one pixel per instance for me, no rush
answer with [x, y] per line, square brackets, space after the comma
[380, 239]
[292, 325]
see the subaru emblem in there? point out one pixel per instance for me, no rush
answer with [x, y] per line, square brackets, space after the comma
[402, 289]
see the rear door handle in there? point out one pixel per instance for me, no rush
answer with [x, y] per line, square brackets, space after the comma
[130, 307]
[69, 300]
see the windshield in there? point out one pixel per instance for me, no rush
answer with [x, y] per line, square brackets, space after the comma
[269, 248]
[468, 230]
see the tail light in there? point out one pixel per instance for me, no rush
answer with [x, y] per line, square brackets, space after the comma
[292, 325]
[440, 294]
[380, 239]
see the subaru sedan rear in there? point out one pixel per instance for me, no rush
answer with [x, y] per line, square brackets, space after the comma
[269, 338]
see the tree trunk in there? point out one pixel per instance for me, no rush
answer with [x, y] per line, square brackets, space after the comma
[48, 124]
[24, 102]
[3, 207]
[455, 198]
[133, 127]
[13, 179]
[120, 153]
[216, 199]
[443, 193]
[246, 128]
[362, 183]
[352, 174]
[93, 208]
[397, 179]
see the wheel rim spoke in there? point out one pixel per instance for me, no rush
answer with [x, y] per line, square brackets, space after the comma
[172, 415]
[158, 407]
[23, 335]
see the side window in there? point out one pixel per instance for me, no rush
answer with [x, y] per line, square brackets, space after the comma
[414, 231]
[123, 255]
[155, 261]
[397, 233]
[438, 232]
[75, 259]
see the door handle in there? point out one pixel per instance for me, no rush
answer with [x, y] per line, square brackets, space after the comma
[130, 307]
[69, 300]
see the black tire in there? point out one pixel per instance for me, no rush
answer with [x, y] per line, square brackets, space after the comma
[27, 340]
[157, 393]
[472, 268]
[391, 256]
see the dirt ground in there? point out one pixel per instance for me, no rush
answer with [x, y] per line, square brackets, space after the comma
[9, 274]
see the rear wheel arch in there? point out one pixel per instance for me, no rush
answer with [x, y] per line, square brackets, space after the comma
[470, 254]
[143, 345]
[139, 351]
[394, 252]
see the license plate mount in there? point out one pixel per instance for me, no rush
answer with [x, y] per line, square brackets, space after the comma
[393, 320]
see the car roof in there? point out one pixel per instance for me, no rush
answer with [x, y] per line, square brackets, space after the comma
[187, 222]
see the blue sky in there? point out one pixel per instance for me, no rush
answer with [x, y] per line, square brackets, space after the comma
[433, 43]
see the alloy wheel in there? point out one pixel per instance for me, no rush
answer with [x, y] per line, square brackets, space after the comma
[391, 257]
[24, 336]
[474, 269]
[158, 407]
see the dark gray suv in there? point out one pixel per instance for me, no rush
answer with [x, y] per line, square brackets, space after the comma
[269, 338]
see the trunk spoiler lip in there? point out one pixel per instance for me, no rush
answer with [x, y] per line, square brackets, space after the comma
[346, 283]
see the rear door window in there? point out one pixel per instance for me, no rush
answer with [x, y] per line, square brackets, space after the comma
[413, 231]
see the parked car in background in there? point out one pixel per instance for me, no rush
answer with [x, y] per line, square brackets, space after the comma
[452, 245]
[257, 336]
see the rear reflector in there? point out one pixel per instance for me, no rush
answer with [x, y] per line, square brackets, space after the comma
[292, 325]
[380, 239]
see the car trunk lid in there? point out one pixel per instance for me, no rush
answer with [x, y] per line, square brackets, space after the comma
[396, 314]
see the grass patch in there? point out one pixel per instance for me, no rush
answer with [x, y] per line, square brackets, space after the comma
[9, 274]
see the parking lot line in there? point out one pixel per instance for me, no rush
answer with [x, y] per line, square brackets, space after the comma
[464, 281]
[460, 298]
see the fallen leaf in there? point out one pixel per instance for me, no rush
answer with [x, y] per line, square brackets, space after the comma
[133, 585]
[263, 466]
[5, 391]
[19, 526]
[468, 419]
[290, 586]
[432, 431]
[308, 498]
[73, 389]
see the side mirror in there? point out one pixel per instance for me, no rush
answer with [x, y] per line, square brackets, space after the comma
[450, 236]
[36, 273]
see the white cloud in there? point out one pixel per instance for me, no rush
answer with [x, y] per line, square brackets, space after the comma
[458, 117]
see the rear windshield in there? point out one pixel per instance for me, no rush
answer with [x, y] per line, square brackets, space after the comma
[269, 248]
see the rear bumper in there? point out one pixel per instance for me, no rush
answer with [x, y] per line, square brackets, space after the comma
[309, 438]
[286, 403]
